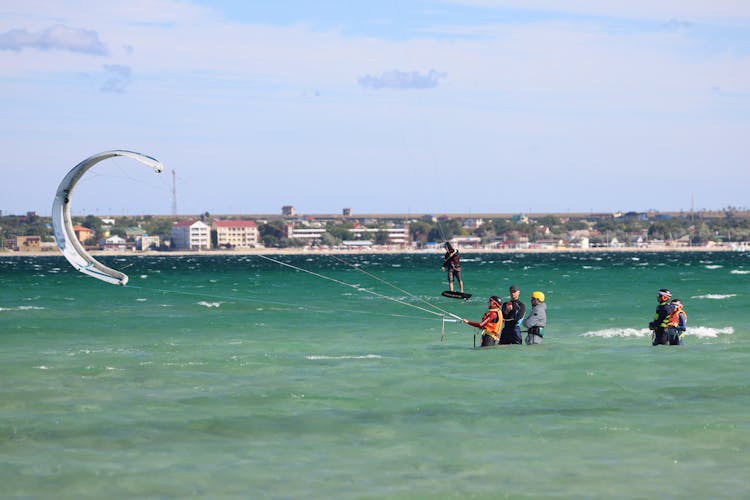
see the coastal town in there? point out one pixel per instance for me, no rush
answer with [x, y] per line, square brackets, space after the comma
[727, 229]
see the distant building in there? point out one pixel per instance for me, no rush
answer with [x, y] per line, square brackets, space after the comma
[308, 234]
[287, 211]
[133, 233]
[146, 242]
[114, 243]
[236, 233]
[191, 235]
[466, 241]
[83, 233]
[394, 235]
[25, 243]
[347, 212]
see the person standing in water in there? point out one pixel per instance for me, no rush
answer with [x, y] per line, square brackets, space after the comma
[452, 261]
[536, 320]
[677, 325]
[661, 317]
[491, 323]
[513, 312]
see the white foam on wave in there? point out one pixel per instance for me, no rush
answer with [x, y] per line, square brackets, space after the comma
[713, 266]
[618, 332]
[739, 271]
[209, 304]
[22, 308]
[701, 332]
[362, 356]
[704, 332]
[715, 296]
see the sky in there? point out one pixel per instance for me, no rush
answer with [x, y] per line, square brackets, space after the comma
[421, 106]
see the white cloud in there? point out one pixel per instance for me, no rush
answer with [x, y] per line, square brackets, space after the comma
[57, 37]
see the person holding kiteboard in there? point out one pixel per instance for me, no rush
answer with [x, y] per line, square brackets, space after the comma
[491, 324]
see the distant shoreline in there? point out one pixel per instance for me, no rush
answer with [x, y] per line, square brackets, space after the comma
[365, 251]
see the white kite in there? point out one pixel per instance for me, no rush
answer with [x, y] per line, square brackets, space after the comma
[65, 236]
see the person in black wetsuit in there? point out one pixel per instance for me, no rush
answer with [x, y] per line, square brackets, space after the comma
[661, 318]
[452, 261]
[513, 312]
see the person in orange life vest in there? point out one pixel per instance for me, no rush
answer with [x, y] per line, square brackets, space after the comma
[661, 317]
[491, 323]
[451, 260]
[677, 324]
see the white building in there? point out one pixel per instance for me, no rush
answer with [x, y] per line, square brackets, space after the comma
[147, 242]
[191, 235]
[114, 242]
[236, 233]
[395, 235]
[308, 234]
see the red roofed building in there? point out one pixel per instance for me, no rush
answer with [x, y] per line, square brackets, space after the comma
[83, 233]
[236, 233]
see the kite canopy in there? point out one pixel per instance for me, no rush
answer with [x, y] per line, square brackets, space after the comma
[65, 236]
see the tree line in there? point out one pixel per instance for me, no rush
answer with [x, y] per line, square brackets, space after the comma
[600, 231]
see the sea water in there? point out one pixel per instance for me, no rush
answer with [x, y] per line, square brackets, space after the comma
[336, 377]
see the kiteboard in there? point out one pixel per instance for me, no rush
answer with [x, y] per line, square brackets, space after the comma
[456, 295]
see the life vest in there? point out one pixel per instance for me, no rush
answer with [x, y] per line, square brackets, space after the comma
[674, 317]
[493, 328]
[664, 322]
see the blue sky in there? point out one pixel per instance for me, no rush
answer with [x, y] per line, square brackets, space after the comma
[453, 106]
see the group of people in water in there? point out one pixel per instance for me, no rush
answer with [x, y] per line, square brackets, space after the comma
[501, 324]
[670, 320]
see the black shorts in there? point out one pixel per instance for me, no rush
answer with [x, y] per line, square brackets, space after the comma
[454, 272]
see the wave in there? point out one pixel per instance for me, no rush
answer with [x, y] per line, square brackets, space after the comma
[715, 296]
[739, 271]
[22, 308]
[362, 356]
[618, 332]
[700, 332]
[713, 266]
[209, 304]
[703, 332]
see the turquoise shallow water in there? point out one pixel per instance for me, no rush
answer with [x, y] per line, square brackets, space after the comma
[239, 377]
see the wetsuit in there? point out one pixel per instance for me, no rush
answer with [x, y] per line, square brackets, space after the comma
[660, 322]
[490, 325]
[677, 326]
[452, 262]
[511, 332]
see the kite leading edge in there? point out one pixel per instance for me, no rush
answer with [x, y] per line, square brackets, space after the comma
[62, 224]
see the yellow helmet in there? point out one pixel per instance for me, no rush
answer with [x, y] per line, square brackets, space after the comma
[538, 296]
